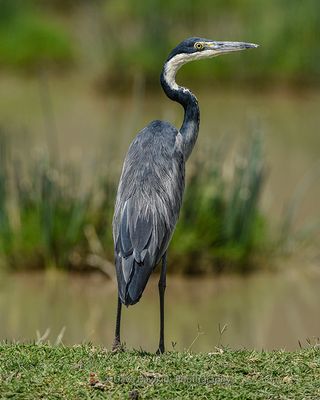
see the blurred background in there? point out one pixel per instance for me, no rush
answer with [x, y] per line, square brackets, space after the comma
[78, 80]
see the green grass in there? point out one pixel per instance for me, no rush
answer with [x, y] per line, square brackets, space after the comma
[29, 371]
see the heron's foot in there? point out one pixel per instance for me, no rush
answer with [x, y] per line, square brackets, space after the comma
[160, 349]
[117, 345]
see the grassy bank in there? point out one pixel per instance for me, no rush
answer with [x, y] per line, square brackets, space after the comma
[43, 371]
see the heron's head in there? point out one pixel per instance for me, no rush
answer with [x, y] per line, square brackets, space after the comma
[196, 49]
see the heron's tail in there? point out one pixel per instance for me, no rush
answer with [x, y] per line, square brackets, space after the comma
[132, 278]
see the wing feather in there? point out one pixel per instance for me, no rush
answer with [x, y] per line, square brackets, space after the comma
[147, 207]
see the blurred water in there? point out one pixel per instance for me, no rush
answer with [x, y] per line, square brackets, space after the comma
[262, 311]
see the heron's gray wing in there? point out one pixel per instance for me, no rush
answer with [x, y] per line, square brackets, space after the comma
[147, 206]
[142, 240]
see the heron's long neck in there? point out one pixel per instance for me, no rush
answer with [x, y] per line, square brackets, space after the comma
[191, 121]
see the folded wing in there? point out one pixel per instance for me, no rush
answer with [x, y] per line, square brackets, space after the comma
[147, 208]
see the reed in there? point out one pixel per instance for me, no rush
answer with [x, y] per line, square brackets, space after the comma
[221, 226]
[49, 218]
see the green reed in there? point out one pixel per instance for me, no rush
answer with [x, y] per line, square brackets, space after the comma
[221, 226]
[48, 216]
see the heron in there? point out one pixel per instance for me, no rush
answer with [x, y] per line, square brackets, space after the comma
[152, 181]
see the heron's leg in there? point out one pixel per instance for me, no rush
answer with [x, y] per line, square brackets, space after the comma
[116, 342]
[162, 288]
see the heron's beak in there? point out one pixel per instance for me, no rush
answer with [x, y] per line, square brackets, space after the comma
[227, 47]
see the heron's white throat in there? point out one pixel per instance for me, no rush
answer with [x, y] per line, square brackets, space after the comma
[175, 63]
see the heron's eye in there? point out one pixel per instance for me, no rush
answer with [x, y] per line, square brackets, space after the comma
[198, 46]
